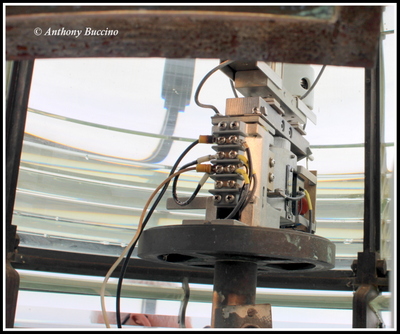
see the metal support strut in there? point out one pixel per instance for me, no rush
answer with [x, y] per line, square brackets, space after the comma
[368, 265]
[234, 284]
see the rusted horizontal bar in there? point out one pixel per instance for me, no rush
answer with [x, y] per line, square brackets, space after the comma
[96, 265]
[349, 38]
[307, 11]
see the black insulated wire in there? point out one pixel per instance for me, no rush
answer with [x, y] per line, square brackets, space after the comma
[242, 198]
[148, 216]
[174, 187]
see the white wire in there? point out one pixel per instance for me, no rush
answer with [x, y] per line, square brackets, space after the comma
[134, 239]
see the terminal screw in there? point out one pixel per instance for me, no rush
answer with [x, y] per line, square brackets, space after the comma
[219, 184]
[233, 139]
[220, 154]
[231, 183]
[230, 168]
[222, 125]
[219, 169]
[234, 125]
[232, 154]
[229, 198]
[221, 140]
[217, 198]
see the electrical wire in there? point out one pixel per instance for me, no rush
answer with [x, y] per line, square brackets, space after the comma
[314, 83]
[175, 183]
[244, 174]
[310, 210]
[295, 198]
[308, 199]
[184, 303]
[252, 177]
[124, 267]
[194, 194]
[249, 177]
[245, 162]
[233, 88]
[252, 191]
[310, 218]
[132, 242]
[242, 199]
[196, 95]
[250, 160]
[199, 185]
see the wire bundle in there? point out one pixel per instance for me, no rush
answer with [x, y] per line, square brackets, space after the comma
[145, 218]
[131, 246]
[249, 182]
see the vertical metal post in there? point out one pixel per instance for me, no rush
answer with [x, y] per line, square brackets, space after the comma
[366, 265]
[372, 193]
[235, 283]
[17, 103]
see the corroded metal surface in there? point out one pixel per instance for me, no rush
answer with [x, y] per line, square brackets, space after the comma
[350, 38]
[202, 245]
[234, 296]
[244, 316]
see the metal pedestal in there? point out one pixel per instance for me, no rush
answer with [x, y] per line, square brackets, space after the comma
[237, 253]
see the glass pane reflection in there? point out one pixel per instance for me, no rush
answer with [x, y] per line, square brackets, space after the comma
[92, 125]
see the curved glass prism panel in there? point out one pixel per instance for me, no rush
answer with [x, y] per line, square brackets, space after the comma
[102, 134]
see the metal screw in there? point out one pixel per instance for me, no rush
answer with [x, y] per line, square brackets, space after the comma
[230, 168]
[233, 139]
[232, 154]
[219, 169]
[221, 140]
[217, 198]
[272, 162]
[219, 184]
[229, 198]
[234, 125]
[221, 154]
[231, 183]
[222, 125]
[271, 177]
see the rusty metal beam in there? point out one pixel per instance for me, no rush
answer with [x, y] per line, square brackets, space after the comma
[349, 38]
[17, 102]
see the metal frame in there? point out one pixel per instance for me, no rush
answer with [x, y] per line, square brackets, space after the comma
[349, 39]
[17, 104]
[368, 265]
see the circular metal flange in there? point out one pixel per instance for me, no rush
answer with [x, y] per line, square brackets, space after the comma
[201, 245]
